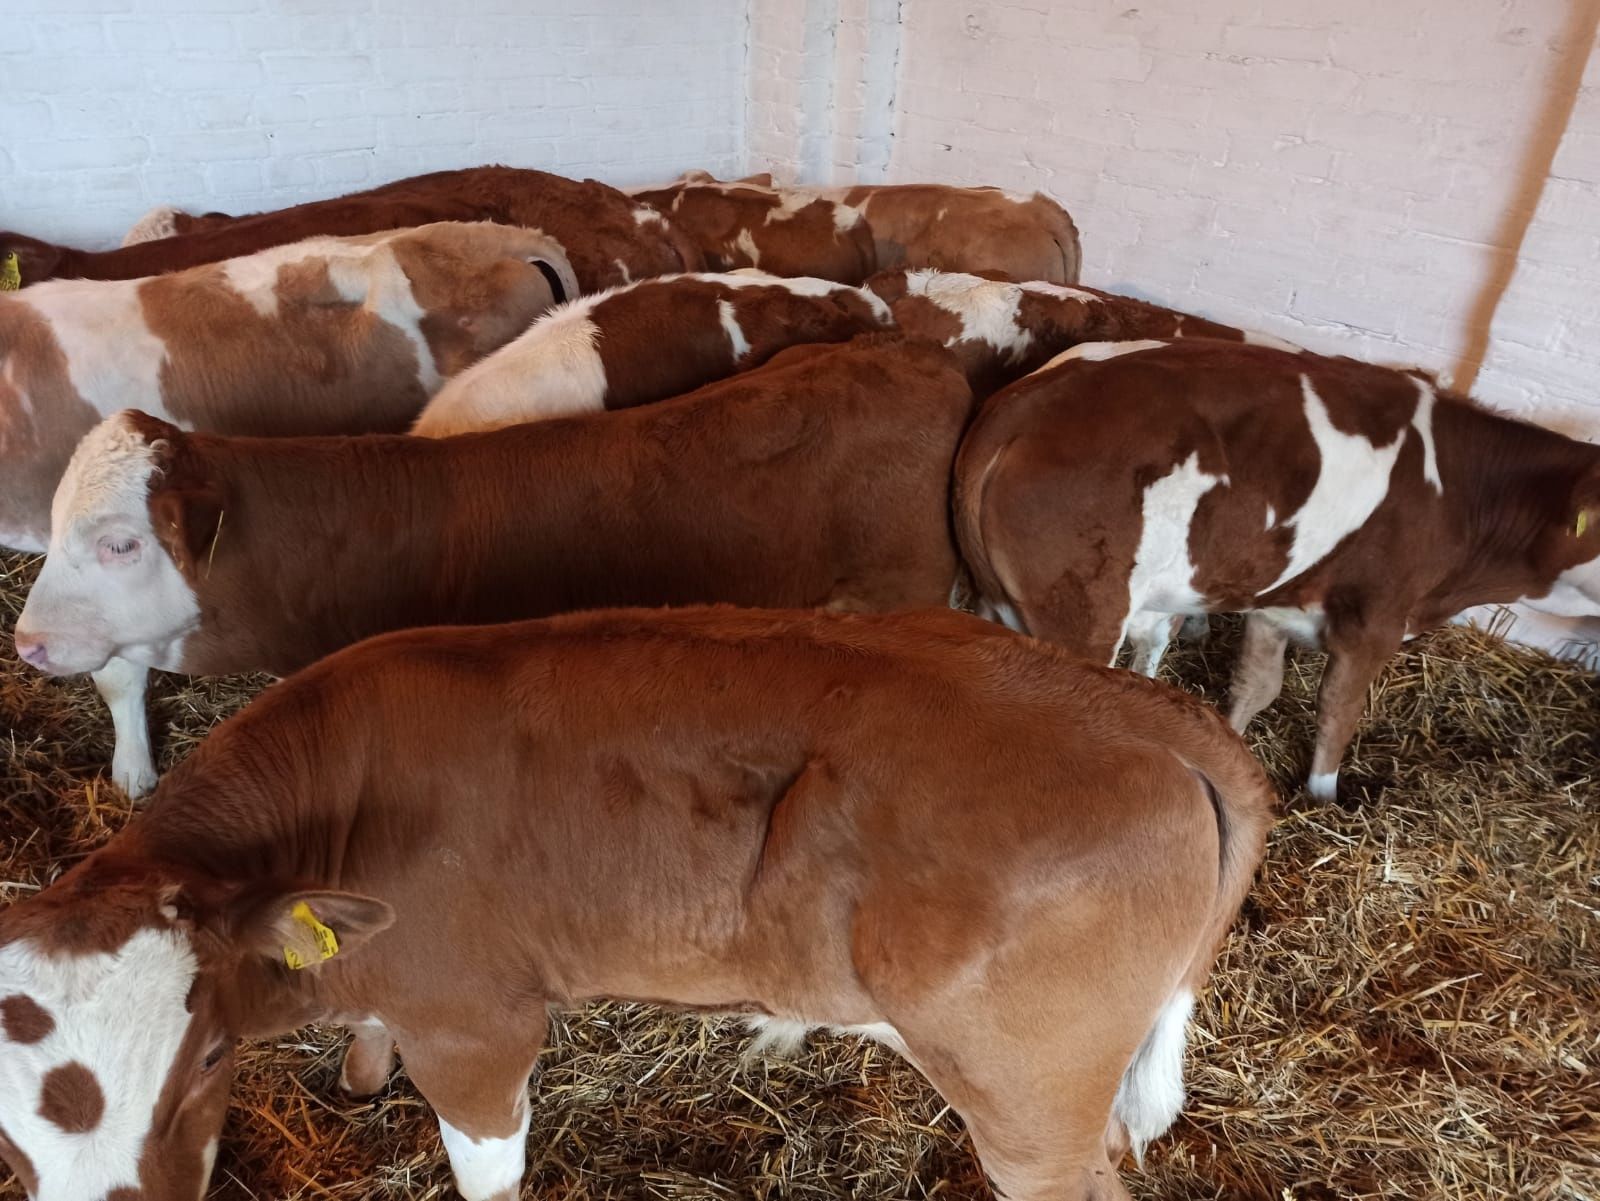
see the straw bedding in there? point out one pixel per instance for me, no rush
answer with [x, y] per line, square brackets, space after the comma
[1409, 1007]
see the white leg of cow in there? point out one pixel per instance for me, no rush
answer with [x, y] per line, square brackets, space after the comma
[1355, 657]
[487, 1169]
[122, 685]
[1151, 634]
[1258, 675]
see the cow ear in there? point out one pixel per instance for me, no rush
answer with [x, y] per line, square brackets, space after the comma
[188, 524]
[304, 929]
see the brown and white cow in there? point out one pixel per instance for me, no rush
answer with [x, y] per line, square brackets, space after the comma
[914, 827]
[982, 229]
[329, 335]
[821, 479]
[736, 225]
[1337, 503]
[646, 342]
[608, 238]
[1001, 330]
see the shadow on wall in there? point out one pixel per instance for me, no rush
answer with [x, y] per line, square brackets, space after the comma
[1561, 95]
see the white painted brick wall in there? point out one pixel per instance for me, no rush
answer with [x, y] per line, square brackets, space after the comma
[1349, 176]
[108, 107]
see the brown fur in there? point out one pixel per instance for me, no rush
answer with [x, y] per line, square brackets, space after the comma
[24, 1020]
[662, 339]
[593, 223]
[806, 242]
[820, 479]
[1050, 481]
[968, 229]
[71, 1098]
[918, 820]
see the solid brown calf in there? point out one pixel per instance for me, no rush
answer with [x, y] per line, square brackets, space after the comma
[740, 225]
[1001, 330]
[1012, 867]
[1337, 503]
[608, 238]
[821, 479]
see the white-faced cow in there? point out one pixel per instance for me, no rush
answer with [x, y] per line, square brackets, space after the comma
[1337, 503]
[646, 342]
[821, 479]
[1011, 867]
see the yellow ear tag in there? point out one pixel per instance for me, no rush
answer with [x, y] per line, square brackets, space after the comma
[327, 942]
[1583, 523]
[10, 272]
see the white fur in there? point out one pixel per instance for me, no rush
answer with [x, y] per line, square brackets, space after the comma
[1352, 481]
[484, 1167]
[1150, 633]
[745, 243]
[782, 1037]
[208, 1163]
[1302, 625]
[1151, 1093]
[643, 214]
[1098, 352]
[160, 222]
[87, 612]
[122, 1016]
[1163, 574]
[988, 309]
[730, 325]
[622, 270]
[1323, 785]
[552, 370]
[113, 360]
[122, 686]
[791, 202]
[1422, 422]
[1256, 338]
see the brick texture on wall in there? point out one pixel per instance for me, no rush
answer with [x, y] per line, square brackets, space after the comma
[109, 107]
[1355, 177]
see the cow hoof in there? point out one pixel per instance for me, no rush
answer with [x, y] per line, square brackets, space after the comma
[135, 776]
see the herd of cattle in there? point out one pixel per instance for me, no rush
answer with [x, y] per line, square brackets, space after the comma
[494, 395]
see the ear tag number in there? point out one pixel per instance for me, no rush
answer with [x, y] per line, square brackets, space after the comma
[324, 939]
[10, 272]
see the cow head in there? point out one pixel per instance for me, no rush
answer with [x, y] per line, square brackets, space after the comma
[122, 995]
[1568, 553]
[125, 526]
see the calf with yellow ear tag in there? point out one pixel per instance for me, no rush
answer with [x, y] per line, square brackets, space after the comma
[10, 272]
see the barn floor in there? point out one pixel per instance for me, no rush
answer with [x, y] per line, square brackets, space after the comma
[1410, 1007]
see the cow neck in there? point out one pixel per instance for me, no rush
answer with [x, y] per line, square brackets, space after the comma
[269, 801]
[320, 542]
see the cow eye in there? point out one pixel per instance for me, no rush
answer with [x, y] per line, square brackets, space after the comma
[118, 548]
[214, 1057]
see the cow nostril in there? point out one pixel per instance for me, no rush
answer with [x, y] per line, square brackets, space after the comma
[31, 649]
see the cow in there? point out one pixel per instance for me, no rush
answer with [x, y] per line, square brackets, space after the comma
[437, 836]
[821, 479]
[738, 225]
[608, 238]
[1337, 503]
[645, 342]
[982, 229]
[329, 335]
[1002, 330]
